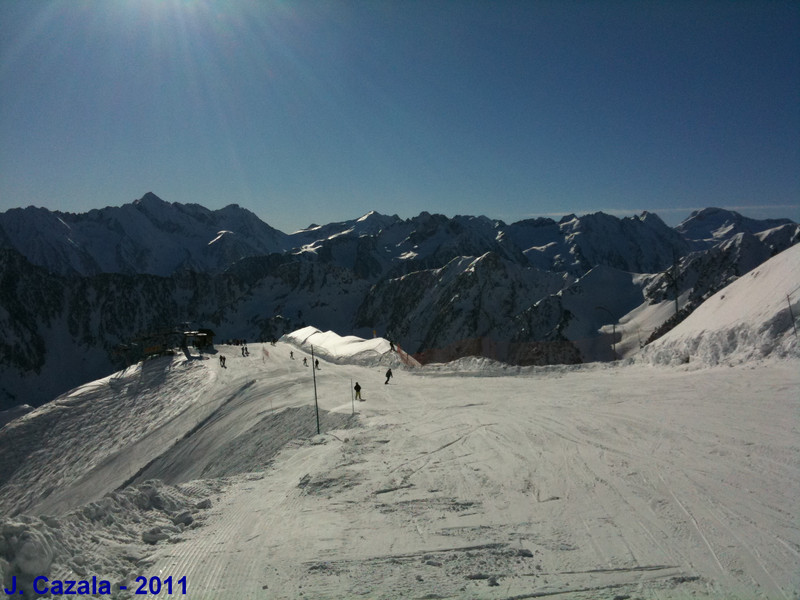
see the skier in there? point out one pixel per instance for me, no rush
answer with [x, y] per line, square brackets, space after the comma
[222, 361]
[388, 376]
[357, 388]
[291, 354]
[305, 361]
[316, 363]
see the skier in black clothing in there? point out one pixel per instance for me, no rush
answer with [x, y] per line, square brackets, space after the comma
[357, 388]
[388, 376]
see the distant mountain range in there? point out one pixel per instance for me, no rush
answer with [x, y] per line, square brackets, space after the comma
[81, 293]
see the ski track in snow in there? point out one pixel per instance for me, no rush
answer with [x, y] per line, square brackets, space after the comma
[635, 481]
[556, 486]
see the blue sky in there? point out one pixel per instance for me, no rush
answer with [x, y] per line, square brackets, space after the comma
[318, 111]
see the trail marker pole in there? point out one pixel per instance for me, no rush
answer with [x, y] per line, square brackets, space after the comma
[675, 280]
[314, 371]
[791, 314]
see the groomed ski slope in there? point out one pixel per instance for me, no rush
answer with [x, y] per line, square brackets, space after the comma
[636, 481]
[496, 483]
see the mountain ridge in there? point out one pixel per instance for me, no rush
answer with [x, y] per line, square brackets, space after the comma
[531, 290]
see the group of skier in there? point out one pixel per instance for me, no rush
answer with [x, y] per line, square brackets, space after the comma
[222, 359]
[305, 360]
[357, 386]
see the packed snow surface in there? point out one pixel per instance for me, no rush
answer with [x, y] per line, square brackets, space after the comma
[464, 480]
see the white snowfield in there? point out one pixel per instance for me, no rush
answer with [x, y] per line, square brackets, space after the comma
[466, 480]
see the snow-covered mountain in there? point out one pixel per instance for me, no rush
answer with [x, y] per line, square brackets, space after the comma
[432, 309]
[81, 293]
[371, 223]
[148, 236]
[712, 225]
[151, 236]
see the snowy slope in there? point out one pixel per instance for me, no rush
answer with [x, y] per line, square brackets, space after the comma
[754, 317]
[474, 479]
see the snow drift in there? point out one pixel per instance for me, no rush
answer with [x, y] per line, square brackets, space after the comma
[108, 537]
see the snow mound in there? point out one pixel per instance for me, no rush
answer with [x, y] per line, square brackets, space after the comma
[128, 522]
[342, 349]
[753, 318]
